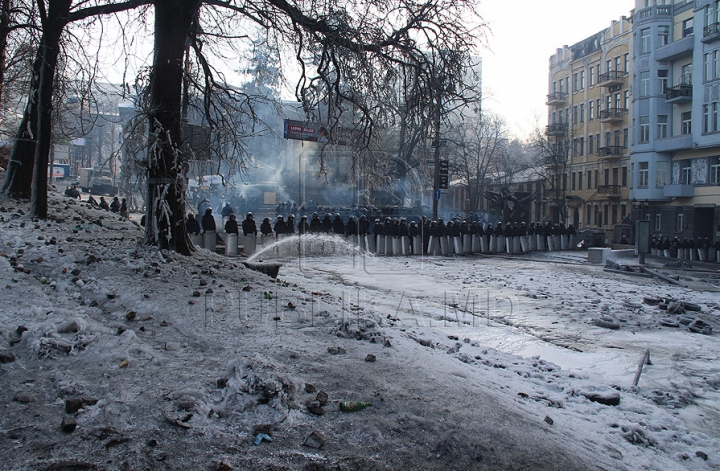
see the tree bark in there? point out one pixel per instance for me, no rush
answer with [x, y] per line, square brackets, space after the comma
[53, 27]
[18, 177]
[166, 170]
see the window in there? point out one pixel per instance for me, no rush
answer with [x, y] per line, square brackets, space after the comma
[582, 112]
[616, 138]
[607, 176]
[660, 174]
[626, 60]
[589, 182]
[687, 27]
[662, 126]
[663, 35]
[626, 138]
[663, 80]
[644, 83]
[575, 82]
[614, 214]
[715, 173]
[686, 175]
[623, 211]
[617, 101]
[617, 63]
[687, 71]
[645, 40]
[591, 144]
[714, 116]
[591, 76]
[710, 65]
[582, 145]
[657, 222]
[643, 175]
[597, 172]
[567, 84]
[575, 114]
[591, 110]
[588, 214]
[706, 118]
[644, 129]
[679, 224]
[623, 175]
[607, 138]
[582, 80]
[579, 180]
[615, 176]
[686, 122]
[598, 72]
[626, 100]
[572, 181]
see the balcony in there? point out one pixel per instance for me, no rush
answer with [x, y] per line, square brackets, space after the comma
[609, 191]
[556, 99]
[611, 152]
[679, 191]
[711, 33]
[674, 143]
[611, 78]
[612, 115]
[679, 93]
[556, 129]
[676, 49]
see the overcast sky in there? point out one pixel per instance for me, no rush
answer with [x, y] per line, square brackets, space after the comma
[525, 33]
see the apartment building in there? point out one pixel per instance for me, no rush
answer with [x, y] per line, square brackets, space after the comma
[589, 127]
[675, 160]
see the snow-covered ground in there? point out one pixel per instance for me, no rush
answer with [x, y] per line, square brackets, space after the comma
[479, 362]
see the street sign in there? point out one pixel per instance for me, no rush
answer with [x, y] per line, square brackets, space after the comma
[443, 179]
[437, 194]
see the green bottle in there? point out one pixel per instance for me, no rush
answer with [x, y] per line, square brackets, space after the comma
[351, 406]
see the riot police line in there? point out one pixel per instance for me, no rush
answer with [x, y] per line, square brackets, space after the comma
[395, 236]
[699, 249]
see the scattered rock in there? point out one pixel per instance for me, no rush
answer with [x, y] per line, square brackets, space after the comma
[23, 398]
[21, 329]
[76, 272]
[700, 327]
[549, 420]
[314, 440]
[387, 343]
[669, 323]
[68, 424]
[701, 454]
[315, 408]
[94, 303]
[223, 466]
[291, 305]
[197, 294]
[322, 397]
[89, 401]
[164, 324]
[121, 329]
[124, 364]
[221, 382]
[341, 351]
[676, 307]
[606, 322]
[246, 288]
[608, 397]
[309, 388]
[111, 295]
[370, 357]
[332, 350]
[131, 316]
[6, 356]
[73, 405]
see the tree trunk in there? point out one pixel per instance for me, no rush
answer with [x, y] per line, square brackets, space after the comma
[166, 173]
[53, 28]
[18, 177]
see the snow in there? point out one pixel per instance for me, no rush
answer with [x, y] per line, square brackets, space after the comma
[482, 362]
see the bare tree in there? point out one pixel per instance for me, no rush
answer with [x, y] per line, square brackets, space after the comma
[552, 151]
[476, 143]
[344, 51]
